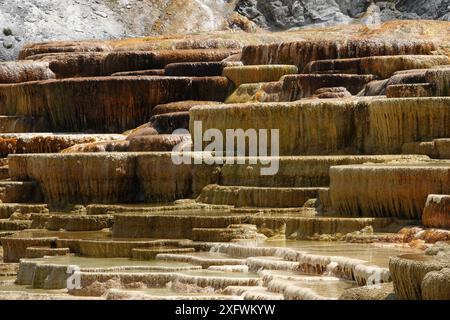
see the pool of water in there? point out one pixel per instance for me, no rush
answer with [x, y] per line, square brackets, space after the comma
[83, 262]
[372, 253]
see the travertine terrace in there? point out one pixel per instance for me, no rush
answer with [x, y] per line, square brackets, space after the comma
[358, 208]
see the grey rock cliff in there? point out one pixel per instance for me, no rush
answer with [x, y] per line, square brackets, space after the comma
[286, 14]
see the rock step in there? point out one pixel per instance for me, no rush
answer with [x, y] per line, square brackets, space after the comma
[410, 90]
[437, 212]
[73, 222]
[119, 249]
[205, 262]
[157, 143]
[23, 71]
[117, 294]
[150, 253]
[194, 69]
[361, 190]
[168, 122]
[7, 209]
[13, 225]
[256, 92]
[181, 106]
[150, 72]
[299, 86]
[243, 196]
[125, 63]
[75, 178]
[233, 232]
[437, 149]
[252, 293]
[19, 192]
[40, 252]
[79, 104]
[121, 61]
[6, 233]
[381, 66]
[4, 172]
[48, 142]
[11, 124]
[321, 127]
[300, 53]
[257, 73]
[8, 269]
[256, 264]
[298, 224]
[306, 228]
[14, 248]
[45, 279]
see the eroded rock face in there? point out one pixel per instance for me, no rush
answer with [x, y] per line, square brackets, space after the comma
[347, 126]
[107, 104]
[355, 190]
[142, 60]
[302, 53]
[78, 177]
[437, 212]
[195, 69]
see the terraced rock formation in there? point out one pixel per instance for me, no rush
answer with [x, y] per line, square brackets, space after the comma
[107, 163]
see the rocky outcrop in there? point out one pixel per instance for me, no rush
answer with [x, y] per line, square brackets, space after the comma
[243, 196]
[331, 93]
[287, 14]
[180, 106]
[24, 23]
